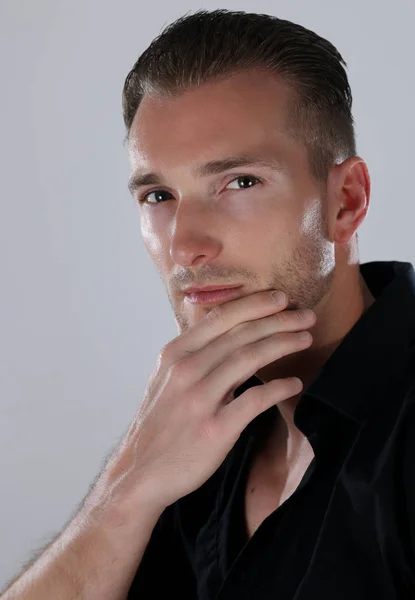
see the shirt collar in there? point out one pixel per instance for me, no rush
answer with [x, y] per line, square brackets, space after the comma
[374, 350]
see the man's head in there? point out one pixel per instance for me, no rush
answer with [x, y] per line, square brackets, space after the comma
[222, 84]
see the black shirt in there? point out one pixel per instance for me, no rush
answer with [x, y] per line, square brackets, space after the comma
[348, 531]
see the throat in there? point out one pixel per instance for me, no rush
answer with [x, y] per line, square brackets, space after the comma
[269, 486]
[274, 476]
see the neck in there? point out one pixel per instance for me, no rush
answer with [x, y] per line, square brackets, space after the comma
[336, 315]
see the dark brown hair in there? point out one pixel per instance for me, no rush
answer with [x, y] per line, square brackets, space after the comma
[210, 46]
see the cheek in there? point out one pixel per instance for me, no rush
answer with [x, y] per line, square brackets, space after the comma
[153, 242]
[312, 219]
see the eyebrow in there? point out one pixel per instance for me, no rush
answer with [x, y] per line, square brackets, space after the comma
[213, 167]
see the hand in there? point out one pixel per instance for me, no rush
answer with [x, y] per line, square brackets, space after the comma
[188, 420]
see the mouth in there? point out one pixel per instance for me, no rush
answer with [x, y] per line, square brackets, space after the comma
[210, 296]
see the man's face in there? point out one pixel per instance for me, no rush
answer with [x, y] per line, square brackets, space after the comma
[262, 227]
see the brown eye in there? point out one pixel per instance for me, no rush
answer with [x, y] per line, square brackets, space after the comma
[246, 179]
[158, 195]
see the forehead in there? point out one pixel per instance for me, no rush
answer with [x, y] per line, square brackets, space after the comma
[244, 113]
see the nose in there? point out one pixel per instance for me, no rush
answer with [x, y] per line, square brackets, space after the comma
[195, 234]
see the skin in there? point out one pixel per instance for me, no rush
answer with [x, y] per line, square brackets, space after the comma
[287, 232]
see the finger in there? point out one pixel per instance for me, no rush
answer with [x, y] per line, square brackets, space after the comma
[246, 361]
[223, 318]
[235, 416]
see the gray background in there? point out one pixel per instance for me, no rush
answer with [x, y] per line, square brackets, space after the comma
[83, 312]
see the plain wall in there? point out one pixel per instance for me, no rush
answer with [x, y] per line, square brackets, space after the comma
[83, 311]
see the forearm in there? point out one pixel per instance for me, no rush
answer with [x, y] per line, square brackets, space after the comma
[94, 558]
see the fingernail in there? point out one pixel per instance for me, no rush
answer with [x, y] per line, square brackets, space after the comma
[279, 298]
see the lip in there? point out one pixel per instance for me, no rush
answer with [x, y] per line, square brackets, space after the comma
[212, 296]
[210, 288]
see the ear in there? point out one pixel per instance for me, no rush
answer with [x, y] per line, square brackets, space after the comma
[349, 195]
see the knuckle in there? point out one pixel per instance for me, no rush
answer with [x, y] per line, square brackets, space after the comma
[249, 400]
[244, 354]
[305, 315]
[280, 319]
[166, 353]
[181, 369]
[287, 341]
[237, 332]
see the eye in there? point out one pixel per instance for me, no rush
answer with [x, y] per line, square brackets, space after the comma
[245, 177]
[158, 193]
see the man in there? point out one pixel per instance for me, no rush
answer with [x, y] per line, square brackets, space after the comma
[235, 480]
[321, 510]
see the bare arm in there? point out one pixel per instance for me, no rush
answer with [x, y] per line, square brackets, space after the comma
[97, 555]
[184, 428]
